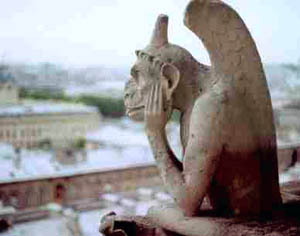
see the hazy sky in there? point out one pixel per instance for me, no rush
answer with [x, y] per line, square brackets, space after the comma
[94, 32]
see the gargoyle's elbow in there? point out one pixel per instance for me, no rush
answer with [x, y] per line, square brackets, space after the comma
[188, 209]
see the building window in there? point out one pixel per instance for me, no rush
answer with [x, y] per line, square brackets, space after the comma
[59, 193]
[14, 199]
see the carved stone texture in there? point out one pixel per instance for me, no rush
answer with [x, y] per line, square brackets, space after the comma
[227, 127]
[285, 223]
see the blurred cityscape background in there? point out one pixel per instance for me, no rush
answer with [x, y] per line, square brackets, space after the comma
[68, 153]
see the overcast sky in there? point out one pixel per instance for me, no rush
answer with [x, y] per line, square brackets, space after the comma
[106, 32]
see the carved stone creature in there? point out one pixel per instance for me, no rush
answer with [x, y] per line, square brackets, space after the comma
[227, 128]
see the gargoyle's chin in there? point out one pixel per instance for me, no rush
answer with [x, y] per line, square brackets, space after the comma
[136, 115]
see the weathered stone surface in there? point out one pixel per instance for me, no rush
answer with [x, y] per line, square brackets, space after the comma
[227, 132]
[287, 223]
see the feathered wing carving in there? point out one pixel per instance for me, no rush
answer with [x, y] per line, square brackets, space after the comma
[234, 57]
[236, 65]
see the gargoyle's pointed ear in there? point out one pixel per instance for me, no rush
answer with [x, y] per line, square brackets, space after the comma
[160, 32]
[171, 74]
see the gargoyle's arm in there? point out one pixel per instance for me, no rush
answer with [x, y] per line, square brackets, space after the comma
[169, 166]
[189, 185]
[156, 118]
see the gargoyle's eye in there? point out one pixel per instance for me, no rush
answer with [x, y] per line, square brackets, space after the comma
[134, 72]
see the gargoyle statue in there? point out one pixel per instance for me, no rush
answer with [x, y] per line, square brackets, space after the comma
[227, 127]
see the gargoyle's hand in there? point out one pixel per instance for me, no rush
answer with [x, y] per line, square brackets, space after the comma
[107, 224]
[156, 116]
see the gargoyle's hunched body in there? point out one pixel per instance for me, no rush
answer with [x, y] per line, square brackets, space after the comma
[227, 128]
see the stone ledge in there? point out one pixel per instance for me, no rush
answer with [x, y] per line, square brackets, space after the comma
[285, 223]
[143, 226]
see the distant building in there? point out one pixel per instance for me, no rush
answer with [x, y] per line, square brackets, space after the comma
[68, 188]
[34, 124]
[46, 124]
[8, 90]
[9, 93]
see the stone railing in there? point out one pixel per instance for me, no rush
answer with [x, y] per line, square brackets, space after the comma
[288, 156]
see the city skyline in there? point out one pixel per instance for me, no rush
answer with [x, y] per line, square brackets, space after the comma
[108, 32]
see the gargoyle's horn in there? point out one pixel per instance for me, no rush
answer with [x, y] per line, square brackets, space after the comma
[160, 32]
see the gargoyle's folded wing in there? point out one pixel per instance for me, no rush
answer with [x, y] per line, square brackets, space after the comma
[233, 54]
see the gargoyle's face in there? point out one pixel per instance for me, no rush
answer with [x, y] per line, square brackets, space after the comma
[137, 91]
[147, 72]
[134, 101]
